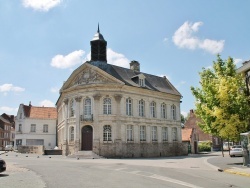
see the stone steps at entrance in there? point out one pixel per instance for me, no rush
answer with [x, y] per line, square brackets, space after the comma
[85, 155]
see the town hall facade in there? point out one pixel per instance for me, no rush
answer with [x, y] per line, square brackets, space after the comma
[118, 112]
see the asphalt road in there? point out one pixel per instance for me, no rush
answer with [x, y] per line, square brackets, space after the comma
[29, 171]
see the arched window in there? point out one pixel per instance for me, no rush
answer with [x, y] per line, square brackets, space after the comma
[141, 108]
[129, 107]
[164, 134]
[72, 108]
[154, 133]
[71, 132]
[153, 109]
[87, 107]
[173, 112]
[129, 132]
[163, 111]
[107, 133]
[174, 133]
[107, 106]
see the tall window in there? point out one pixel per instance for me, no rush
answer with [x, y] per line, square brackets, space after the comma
[107, 133]
[21, 116]
[129, 132]
[164, 134]
[72, 106]
[45, 128]
[33, 128]
[142, 133]
[154, 133]
[173, 112]
[174, 133]
[107, 106]
[87, 107]
[129, 107]
[153, 109]
[20, 128]
[163, 111]
[141, 82]
[71, 138]
[141, 108]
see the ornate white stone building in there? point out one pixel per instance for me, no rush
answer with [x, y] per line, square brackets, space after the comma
[118, 112]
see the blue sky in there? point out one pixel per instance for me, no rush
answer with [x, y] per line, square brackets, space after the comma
[43, 41]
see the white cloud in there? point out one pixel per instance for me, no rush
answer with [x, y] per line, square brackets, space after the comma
[115, 58]
[237, 61]
[41, 5]
[46, 103]
[10, 87]
[184, 38]
[180, 84]
[54, 90]
[6, 109]
[184, 113]
[68, 61]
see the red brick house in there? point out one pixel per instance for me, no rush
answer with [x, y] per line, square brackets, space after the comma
[192, 122]
[189, 136]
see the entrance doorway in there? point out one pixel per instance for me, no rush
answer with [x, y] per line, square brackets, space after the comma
[87, 138]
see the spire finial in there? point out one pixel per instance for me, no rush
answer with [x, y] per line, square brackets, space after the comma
[98, 30]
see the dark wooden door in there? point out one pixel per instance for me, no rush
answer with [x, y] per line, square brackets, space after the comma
[87, 138]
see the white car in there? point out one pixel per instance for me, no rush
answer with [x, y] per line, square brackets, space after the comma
[236, 151]
[8, 148]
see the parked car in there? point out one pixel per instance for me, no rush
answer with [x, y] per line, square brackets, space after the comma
[2, 165]
[236, 150]
[225, 146]
[8, 148]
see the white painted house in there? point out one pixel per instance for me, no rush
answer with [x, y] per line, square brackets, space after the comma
[36, 126]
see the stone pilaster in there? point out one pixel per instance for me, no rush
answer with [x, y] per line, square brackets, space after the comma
[77, 126]
[65, 139]
[117, 136]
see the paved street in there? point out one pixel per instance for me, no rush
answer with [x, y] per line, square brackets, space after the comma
[30, 170]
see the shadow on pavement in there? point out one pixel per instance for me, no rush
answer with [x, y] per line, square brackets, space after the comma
[4, 175]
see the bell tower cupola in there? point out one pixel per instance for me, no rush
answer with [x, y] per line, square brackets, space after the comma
[98, 47]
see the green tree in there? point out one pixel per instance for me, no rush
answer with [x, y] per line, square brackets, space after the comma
[221, 101]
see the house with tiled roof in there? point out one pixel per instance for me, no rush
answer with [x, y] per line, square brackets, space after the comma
[189, 136]
[36, 126]
[114, 111]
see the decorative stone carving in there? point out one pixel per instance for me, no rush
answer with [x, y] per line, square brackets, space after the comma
[89, 76]
[118, 97]
[78, 99]
[97, 96]
[66, 100]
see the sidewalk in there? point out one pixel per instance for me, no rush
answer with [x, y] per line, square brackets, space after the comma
[229, 165]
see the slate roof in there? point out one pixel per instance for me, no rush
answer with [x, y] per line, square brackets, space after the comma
[152, 82]
[40, 112]
[186, 134]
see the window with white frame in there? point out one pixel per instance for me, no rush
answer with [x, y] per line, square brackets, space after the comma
[141, 108]
[33, 128]
[129, 132]
[45, 128]
[107, 133]
[87, 107]
[142, 133]
[153, 109]
[72, 108]
[107, 106]
[174, 133]
[154, 133]
[163, 111]
[142, 82]
[129, 107]
[72, 133]
[164, 134]
[173, 112]
[20, 128]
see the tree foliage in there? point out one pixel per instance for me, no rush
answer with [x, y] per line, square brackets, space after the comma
[221, 102]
